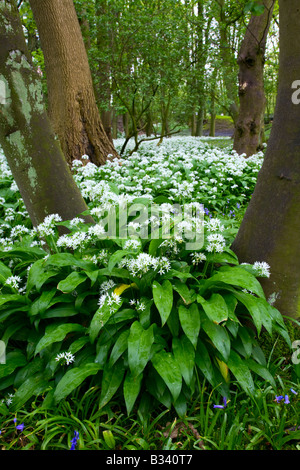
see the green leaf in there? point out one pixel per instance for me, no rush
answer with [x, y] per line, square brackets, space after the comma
[73, 378]
[131, 389]
[5, 272]
[116, 258]
[235, 276]
[38, 275]
[241, 371]
[218, 336]
[257, 308]
[33, 386]
[119, 347]
[184, 354]
[261, 371]
[190, 322]
[12, 298]
[163, 299]
[69, 284]
[111, 380]
[67, 259]
[101, 317]
[61, 312]
[56, 332]
[167, 367]
[40, 305]
[139, 347]
[215, 308]
[183, 291]
[203, 361]
[12, 361]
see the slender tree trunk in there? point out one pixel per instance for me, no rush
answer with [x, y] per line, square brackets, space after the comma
[270, 230]
[228, 77]
[251, 61]
[72, 105]
[33, 154]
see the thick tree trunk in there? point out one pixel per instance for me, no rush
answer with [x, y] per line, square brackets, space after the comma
[33, 154]
[72, 105]
[251, 61]
[270, 230]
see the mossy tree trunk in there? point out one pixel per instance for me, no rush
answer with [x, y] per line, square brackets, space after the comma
[270, 230]
[72, 105]
[251, 59]
[29, 144]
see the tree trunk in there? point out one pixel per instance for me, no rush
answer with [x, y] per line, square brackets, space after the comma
[72, 105]
[270, 230]
[32, 152]
[228, 76]
[251, 61]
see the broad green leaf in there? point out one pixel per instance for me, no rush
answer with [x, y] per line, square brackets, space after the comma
[111, 381]
[235, 276]
[256, 307]
[33, 386]
[231, 303]
[4, 299]
[67, 259]
[139, 347]
[163, 299]
[246, 340]
[101, 317]
[116, 258]
[184, 354]
[215, 308]
[40, 305]
[218, 336]
[5, 272]
[67, 310]
[131, 389]
[73, 378]
[168, 368]
[56, 332]
[72, 281]
[260, 370]
[38, 275]
[241, 371]
[190, 322]
[119, 347]
[183, 291]
[12, 361]
[203, 361]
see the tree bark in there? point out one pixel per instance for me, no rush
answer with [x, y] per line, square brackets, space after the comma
[251, 61]
[72, 106]
[32, 152]
[270, 230]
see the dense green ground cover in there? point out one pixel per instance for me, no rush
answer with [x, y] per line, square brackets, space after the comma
[115, 337]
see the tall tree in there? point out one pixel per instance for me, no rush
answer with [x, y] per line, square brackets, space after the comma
[251, 59]
[270, 230]
[34, 155]
[71, 100]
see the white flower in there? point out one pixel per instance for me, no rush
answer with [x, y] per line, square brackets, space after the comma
[13, 281]
[106, 285]
[66, 356]
[198, 258]
[262, 268]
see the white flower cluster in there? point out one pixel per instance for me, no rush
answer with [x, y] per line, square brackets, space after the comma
[67, 357]
[144, 263]
[262, 269]
[111, 300]
[46, 228]
[198, 258]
